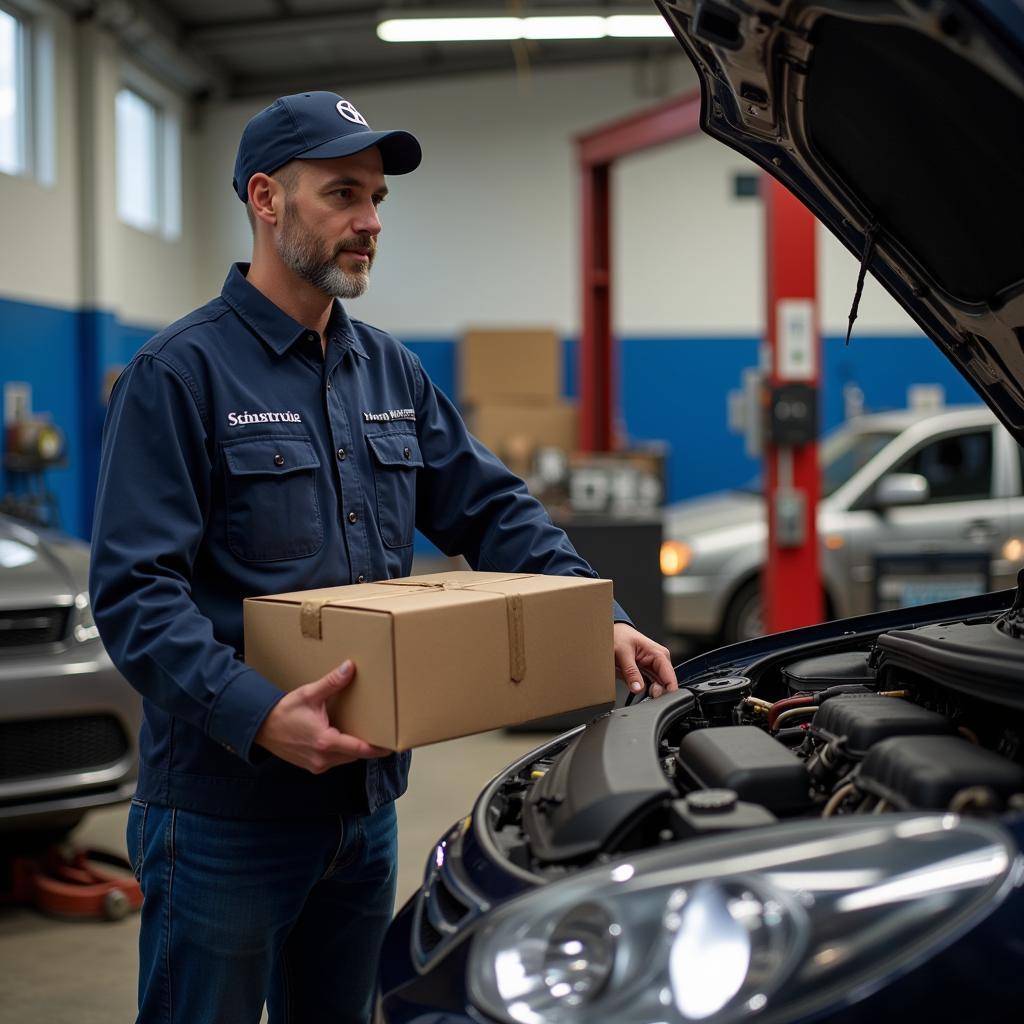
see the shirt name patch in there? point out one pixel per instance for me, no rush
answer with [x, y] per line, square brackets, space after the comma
[391, 414]
[240, 419]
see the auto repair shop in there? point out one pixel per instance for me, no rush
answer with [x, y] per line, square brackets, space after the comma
[683, 267]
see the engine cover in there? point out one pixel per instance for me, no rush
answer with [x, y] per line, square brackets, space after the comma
[864, 721]
[747, 760]
[926, 772]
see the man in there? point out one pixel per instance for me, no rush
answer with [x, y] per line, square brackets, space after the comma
[245, 453]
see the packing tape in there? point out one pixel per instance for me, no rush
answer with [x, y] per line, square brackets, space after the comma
[444, 585]
[309, 620]
[516, 638]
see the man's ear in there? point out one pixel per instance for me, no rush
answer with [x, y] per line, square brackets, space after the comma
[265, 198]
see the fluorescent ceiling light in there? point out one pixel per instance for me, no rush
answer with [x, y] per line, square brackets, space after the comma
[637, 26]
[456, 30]
[443, 30]
[565, 27]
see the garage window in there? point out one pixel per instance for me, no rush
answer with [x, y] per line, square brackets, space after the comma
[13, 94]
[26, 95]
[148, 164]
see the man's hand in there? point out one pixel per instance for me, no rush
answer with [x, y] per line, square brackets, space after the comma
[639, 660]
[297, 729]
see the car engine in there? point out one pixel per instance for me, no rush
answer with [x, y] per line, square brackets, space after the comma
[930, 718]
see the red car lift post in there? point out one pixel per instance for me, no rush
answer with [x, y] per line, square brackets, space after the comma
[791, 591]
[791, 594]
[596, 152]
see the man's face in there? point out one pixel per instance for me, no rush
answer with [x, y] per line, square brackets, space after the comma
[328, 234]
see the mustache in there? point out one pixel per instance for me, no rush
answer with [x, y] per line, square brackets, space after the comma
[367, 244]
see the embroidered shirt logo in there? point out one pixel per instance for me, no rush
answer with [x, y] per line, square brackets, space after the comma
[350, 113]
[389, 415]
[241, 419]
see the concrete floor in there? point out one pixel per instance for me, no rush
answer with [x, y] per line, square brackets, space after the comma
[74, 972]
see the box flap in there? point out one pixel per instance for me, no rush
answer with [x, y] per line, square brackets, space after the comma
[456, 579]
[324, 593]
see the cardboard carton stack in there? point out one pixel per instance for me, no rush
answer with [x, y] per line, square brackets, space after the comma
[510, 387]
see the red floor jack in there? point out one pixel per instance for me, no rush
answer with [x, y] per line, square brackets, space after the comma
[68, 883]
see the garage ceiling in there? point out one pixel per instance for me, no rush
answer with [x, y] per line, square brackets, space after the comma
[248, 48]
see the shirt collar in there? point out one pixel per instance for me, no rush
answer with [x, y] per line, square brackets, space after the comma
[273, 325]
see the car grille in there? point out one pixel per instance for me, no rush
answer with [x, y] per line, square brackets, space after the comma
[58, 746]
[28, 627]
[440, 915]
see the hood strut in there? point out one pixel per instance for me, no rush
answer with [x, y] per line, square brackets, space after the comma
[865, 259]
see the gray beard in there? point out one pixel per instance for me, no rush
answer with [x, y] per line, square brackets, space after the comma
[307, 259]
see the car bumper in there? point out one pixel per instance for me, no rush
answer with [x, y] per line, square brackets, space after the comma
[72, 723]
[692, 605]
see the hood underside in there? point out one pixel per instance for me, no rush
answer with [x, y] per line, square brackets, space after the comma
[900, 124]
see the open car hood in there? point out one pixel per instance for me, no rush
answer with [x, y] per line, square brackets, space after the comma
[900, 124]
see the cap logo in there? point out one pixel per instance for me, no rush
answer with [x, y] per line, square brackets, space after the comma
[350, 113]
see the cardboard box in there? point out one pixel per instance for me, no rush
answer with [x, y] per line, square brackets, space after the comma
[515, 432]
[443, 655]
[510, 366]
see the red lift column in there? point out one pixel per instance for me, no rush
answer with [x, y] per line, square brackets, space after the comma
[791, 590]
[597, 398]
[597, 151]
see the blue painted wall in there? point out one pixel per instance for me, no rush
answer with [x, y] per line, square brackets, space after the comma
[672, 390]
[64, 355]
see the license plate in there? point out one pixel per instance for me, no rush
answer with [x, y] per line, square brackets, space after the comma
[933, 591]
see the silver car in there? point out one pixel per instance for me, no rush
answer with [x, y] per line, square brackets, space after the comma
[898, 483]
[68, 719]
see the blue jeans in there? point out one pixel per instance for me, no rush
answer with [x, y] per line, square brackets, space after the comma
[238, 913]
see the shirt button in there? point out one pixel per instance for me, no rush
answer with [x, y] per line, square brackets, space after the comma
[407, 452]
[352, 517]
[361, 579]
[311, 336]
[341, 454]
[278, 460]
[328, 385]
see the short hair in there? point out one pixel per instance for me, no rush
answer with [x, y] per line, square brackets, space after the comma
[287, 176]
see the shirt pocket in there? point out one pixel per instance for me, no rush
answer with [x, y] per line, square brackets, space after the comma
[396, 458]
[272, 509]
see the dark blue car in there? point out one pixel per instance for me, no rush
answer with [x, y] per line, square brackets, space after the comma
[825, 824]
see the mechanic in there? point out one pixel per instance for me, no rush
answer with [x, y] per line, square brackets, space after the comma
[266, 443]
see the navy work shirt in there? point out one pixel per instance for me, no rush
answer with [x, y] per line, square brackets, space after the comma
[240, 460]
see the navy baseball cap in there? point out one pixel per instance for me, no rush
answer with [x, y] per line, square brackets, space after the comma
[315, 126]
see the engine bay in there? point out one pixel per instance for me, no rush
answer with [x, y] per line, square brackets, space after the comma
[921, 719]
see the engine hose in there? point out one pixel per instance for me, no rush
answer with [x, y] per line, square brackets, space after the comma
[836, 799]
[787, 702]
[794, 713]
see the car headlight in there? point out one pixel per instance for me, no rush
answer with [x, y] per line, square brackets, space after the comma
[773, 926]
[675, 557]
[85, 628]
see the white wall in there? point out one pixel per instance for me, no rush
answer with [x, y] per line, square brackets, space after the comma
[64, 244]
[486, 230]
[40, 260]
